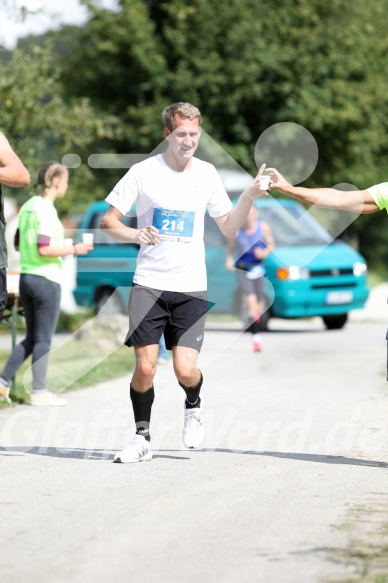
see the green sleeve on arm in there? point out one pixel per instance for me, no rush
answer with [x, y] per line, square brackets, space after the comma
[379, 193]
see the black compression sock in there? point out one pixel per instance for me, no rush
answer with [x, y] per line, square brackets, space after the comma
[193, 400]
[142, 405]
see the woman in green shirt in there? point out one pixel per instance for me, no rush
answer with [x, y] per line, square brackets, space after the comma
[40, 240]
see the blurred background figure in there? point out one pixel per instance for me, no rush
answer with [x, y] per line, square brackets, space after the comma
[246, 252]
[12, 173]
[40, 239]
[11, 212]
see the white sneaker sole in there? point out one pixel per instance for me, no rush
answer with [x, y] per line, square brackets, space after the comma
[52, 404]
[195, 446]
[120, 459]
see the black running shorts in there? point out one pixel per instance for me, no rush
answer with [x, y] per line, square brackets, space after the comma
[180, 315]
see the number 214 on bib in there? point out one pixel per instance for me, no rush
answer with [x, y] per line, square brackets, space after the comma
[174, 225]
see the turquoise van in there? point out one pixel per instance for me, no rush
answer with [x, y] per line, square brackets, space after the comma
[307, 275]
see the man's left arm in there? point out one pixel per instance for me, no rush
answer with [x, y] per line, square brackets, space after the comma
[12, 170]
[230, 223]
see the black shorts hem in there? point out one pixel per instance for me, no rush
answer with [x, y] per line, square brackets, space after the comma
[180, 316]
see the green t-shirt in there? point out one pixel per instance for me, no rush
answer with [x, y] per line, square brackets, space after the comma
[379, 194]
[38, 216]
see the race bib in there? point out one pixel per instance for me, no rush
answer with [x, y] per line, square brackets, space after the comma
[174, 225]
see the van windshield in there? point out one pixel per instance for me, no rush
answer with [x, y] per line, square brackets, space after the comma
[293, 225]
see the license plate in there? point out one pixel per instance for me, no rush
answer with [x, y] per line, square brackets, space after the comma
[339, 297]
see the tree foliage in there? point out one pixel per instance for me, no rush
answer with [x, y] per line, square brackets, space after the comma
[40, 124]
[247, 64]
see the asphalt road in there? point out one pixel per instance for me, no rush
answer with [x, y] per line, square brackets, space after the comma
[296, 445]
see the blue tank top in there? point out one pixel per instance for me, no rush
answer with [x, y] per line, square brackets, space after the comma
[245, 243]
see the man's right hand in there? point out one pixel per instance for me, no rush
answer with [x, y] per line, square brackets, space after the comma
[148, 236]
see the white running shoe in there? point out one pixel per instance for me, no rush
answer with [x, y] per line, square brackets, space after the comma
[256, 343]
[46, 399]
[193, 427]
[139, 450]
[4, 394]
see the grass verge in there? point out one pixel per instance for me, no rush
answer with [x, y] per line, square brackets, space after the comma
[74, 364]
[367, 551]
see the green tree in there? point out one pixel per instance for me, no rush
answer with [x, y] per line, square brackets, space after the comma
[247, 64]
[41, 124]
[123, 71]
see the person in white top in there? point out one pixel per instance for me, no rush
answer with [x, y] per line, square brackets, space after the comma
[12, 173]
[171, 192]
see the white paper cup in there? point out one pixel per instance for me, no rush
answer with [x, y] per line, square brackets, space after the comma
[88, 238]
[264, 182]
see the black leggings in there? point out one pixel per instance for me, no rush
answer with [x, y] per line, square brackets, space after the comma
[41, 302]
[3, 290]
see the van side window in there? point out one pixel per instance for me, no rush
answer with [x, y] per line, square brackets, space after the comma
[101, 238]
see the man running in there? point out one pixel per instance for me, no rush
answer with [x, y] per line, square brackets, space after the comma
[172, 192]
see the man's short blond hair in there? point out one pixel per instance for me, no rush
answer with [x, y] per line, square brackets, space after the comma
[185, 110]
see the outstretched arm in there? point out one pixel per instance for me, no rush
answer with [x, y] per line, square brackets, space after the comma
[12, 170]
[359, 201]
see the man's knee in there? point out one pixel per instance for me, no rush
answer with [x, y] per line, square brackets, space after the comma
[187, 374]
[146, 369]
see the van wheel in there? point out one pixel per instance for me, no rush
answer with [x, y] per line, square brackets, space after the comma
[109, 303]
[335, 322]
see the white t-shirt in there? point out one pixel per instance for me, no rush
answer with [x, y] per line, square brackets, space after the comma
[174, 202]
